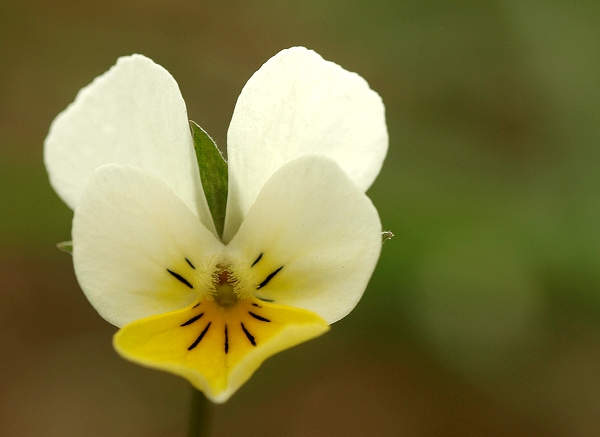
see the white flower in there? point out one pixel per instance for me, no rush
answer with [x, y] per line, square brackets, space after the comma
[301, 239]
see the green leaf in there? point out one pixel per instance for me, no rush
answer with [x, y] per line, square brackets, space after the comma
[65, 246]
[213, 174]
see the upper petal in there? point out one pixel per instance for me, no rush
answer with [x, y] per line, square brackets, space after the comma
[137, 249]
[296, 104]
[311, 240]
[133, 114]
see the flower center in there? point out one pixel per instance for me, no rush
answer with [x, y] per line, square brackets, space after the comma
[225, 295]
[226, 286]
[228, 316]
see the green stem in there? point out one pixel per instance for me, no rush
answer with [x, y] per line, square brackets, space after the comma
[201, 415]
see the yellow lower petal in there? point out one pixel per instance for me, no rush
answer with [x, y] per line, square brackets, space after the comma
[217, 348]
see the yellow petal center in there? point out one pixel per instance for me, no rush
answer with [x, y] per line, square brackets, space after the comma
[219, 341]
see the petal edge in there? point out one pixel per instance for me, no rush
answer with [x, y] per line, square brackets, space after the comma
[318, 236]
[297, 103]
[132, 114]
[137, 249]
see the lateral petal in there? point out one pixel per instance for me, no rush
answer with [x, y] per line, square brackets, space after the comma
[132, 114]
[297, 104]
[311, 240]
[137, 249]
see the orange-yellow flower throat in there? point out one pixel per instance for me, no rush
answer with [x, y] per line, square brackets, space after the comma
[222, 338]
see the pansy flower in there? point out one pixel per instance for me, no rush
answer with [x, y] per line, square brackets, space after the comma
[298, 242]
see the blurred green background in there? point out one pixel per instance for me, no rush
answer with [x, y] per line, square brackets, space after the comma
[483, 317]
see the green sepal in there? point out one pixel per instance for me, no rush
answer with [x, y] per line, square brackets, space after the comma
[213, 174]
[65, 246]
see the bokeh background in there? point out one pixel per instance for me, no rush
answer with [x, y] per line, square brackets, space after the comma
[483, 317]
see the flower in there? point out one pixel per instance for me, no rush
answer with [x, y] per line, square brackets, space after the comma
[300, 240]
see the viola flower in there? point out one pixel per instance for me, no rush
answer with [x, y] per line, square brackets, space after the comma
[300, 238]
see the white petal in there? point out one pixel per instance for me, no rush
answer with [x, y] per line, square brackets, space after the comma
[133, 114]
[315, 223]
[298, 104]
[129, 230]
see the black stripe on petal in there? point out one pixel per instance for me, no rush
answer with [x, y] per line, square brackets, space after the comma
[248, 335]
[200, 337]
[268, 278]
[265, 300]
[180, 278]
[257, 317]
[256, 260]
[192, 320]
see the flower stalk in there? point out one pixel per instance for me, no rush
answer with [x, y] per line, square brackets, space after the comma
[201, 415]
